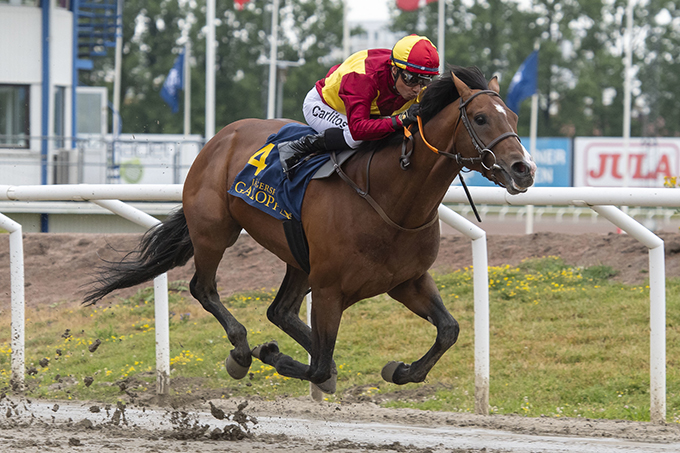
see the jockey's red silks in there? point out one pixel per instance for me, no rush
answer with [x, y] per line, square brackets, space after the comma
[362, 87]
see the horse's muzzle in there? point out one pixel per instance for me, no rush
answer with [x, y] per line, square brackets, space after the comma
[516, 177]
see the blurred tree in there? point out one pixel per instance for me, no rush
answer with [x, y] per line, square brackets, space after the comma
[154, 34]
[150, 35]
[580, 61]
[658, 108]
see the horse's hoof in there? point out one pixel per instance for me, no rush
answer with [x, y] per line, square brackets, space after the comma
[388, 370]
[235, 370]
[272, 346]
[329, 385]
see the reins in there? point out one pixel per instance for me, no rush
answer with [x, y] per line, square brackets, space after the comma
[374, 204]
[484, 151]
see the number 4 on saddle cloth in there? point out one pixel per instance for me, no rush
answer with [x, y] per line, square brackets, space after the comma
[262, 184]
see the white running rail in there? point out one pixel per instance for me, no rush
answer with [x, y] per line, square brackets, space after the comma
[601, 200]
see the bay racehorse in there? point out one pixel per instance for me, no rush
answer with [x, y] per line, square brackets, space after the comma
[357, 249]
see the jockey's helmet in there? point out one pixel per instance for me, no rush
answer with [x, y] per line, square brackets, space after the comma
[416, 54]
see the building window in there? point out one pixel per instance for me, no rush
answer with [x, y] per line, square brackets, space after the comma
[14, 130]
[59, 116]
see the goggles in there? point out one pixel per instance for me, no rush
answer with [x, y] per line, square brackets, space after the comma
[410, 79]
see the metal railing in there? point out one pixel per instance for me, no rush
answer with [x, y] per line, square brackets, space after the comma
[602, 200]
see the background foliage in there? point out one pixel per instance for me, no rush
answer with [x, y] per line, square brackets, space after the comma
[580, 63]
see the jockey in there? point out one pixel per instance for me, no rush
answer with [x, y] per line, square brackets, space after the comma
[367, 97]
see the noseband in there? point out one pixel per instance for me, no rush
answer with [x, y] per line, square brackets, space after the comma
[483, 151]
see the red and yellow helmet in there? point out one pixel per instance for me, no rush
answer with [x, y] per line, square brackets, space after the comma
[416, 54]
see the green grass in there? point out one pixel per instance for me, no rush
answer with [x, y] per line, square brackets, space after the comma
[565, 342]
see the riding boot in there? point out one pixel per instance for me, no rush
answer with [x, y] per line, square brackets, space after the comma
[295, 152]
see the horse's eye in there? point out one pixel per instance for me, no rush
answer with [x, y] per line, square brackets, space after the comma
[480, 120]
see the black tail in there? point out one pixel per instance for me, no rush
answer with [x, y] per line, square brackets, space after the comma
[163, 247]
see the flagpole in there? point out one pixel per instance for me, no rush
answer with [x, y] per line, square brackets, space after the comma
[529, 226]
[273, 51]
[210, 71]
[440, 40]
[628, 62]
[187, 89]
[533, 135]
[118, 64]
[345, 31]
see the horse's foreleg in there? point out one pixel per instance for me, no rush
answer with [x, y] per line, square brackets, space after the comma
[207, 256]
[422, 298]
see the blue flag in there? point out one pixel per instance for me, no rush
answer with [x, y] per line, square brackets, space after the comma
[174, 82]
[524, 83]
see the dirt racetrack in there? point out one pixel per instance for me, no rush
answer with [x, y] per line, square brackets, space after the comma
[59, 265]
[302, 426]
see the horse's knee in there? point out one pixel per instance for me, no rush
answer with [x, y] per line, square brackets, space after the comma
[448, 332]
[200, 292]
[193, 289]
[274, 315]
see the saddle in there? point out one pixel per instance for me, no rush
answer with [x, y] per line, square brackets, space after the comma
[262, 184]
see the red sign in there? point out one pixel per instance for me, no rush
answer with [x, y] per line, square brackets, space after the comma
[410, 5]
[601, 162]
[240, 4]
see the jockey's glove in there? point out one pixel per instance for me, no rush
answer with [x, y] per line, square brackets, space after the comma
[405, 119]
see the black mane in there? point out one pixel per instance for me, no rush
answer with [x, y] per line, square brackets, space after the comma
[442, 91]
[436, 97]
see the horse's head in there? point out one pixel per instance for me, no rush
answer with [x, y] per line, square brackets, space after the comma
[493, 147]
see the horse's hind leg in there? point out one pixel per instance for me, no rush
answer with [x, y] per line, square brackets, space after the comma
[422, 298]
[326, 315]
[209, 246]
[284, 312]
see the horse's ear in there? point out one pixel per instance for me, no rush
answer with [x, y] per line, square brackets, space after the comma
[463, 90]
[493, 85]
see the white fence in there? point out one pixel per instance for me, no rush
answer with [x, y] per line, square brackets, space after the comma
[602, 200]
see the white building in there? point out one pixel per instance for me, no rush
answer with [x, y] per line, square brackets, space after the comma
[36, 87]
[53, 133]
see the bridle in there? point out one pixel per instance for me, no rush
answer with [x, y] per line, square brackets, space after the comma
[483, 151]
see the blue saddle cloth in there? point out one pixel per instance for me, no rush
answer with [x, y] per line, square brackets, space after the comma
[263, 184]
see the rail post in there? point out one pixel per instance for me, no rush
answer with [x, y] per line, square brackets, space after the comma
[480, 266]
[16, 264]
[161, 305]
[657, 306]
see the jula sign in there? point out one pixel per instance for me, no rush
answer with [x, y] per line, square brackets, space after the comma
[602, 162]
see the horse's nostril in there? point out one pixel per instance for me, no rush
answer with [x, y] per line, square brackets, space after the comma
[520, 168]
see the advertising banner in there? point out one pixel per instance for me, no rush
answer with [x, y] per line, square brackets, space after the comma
[553, 162]
[599, 161]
